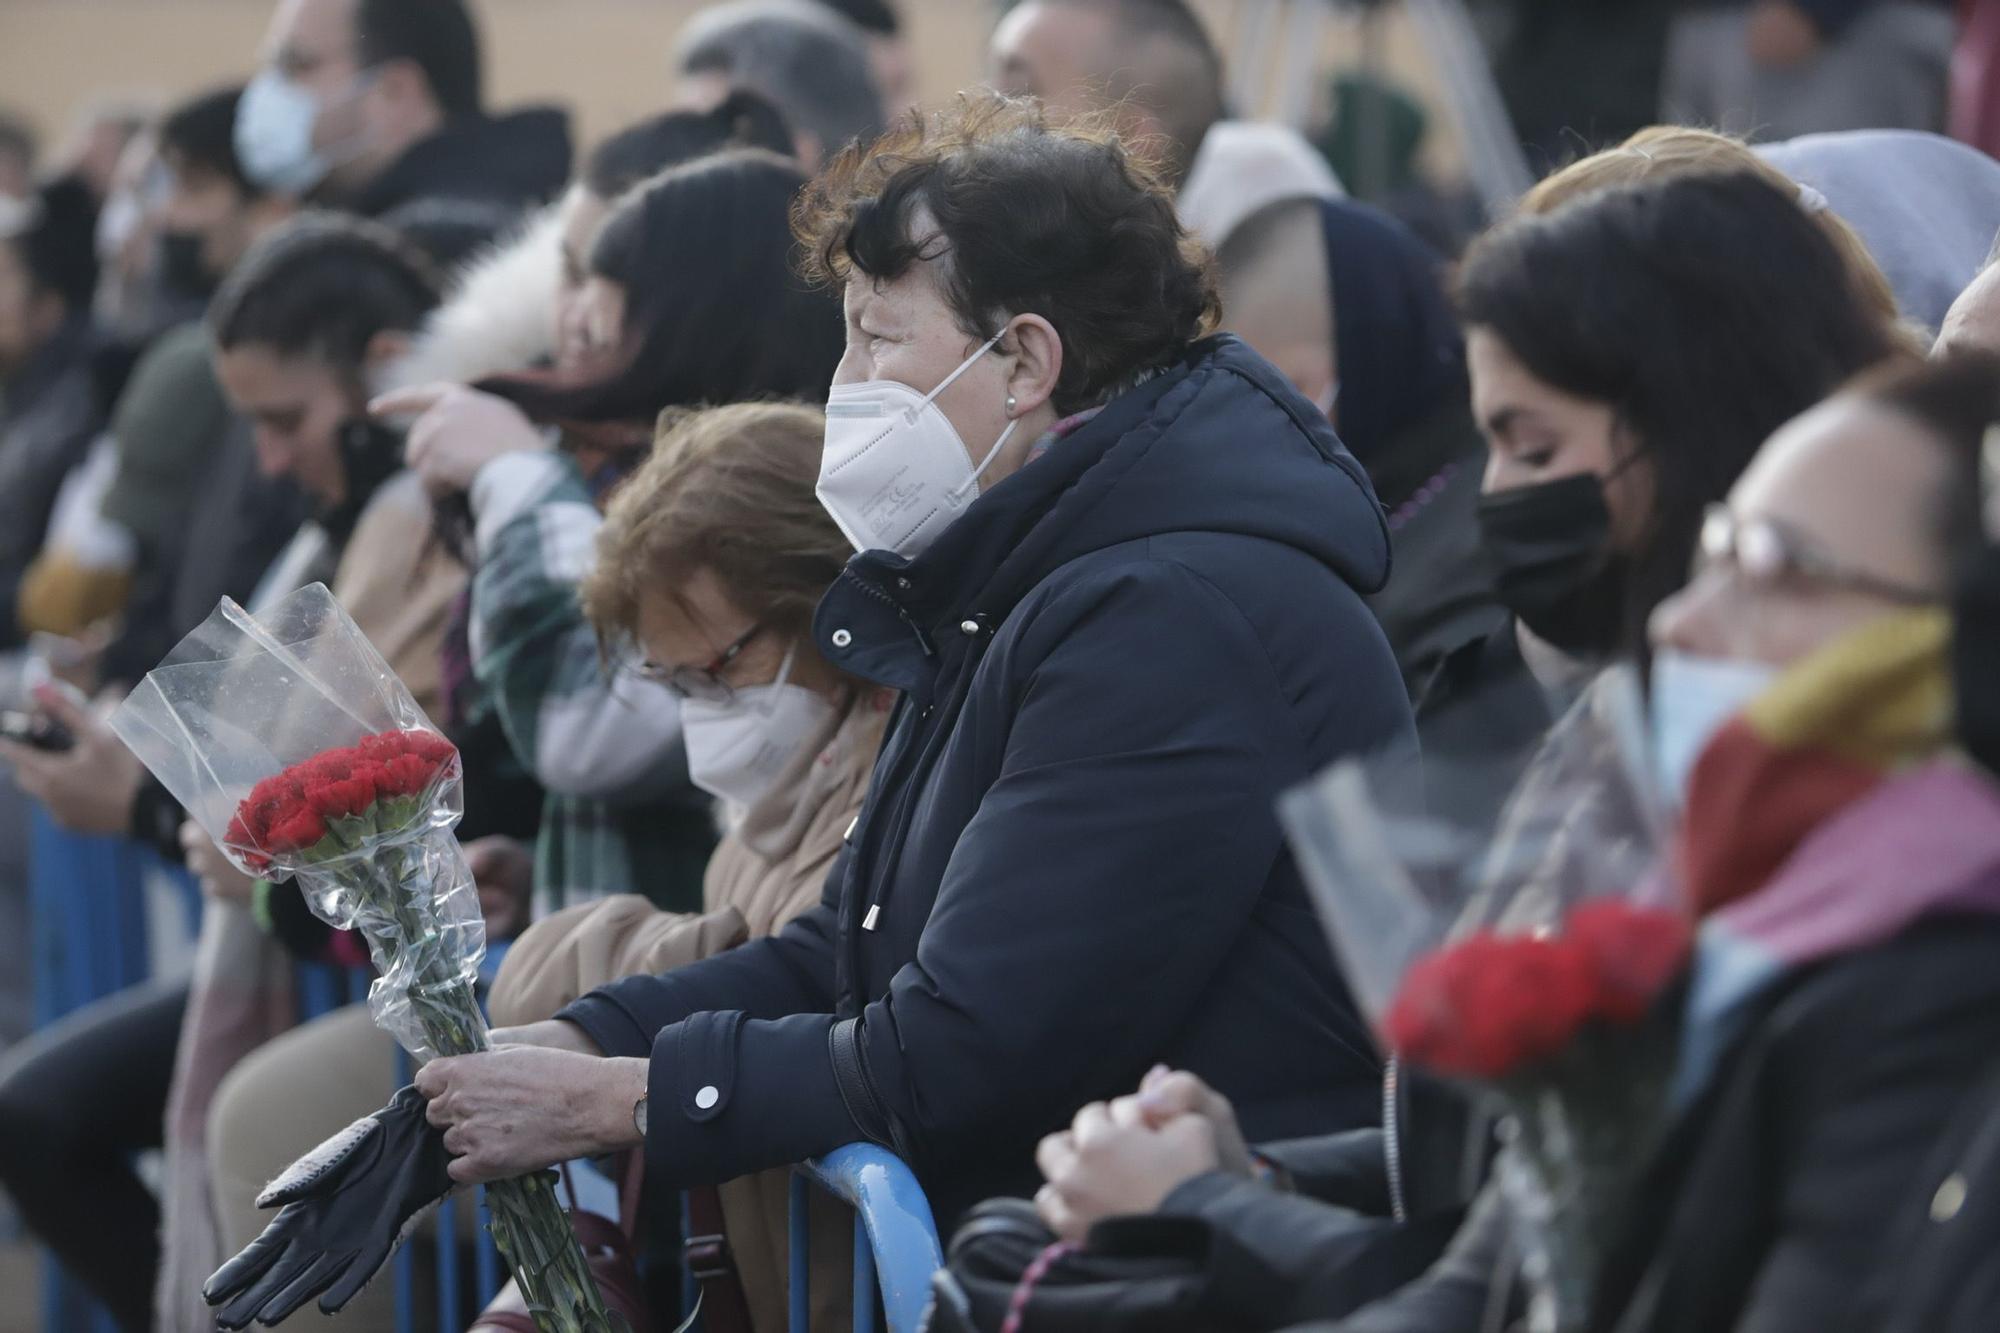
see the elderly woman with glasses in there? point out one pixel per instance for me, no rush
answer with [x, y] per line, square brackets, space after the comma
[709, 563]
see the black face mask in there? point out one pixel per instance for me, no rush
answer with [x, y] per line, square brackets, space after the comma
[370, 454]
[182, 272]
[1975, 656]
[1553, 565]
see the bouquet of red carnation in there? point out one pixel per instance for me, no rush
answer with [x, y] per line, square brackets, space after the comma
[288, 738]
[1570, 1031]
[1479, 945]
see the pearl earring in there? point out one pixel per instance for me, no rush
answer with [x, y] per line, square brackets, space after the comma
[1010, 405]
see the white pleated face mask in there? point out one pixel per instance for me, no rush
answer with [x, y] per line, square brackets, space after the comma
[894, 472]
[736, 750]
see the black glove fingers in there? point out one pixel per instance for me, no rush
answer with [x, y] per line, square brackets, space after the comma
[359, 1271]
[255, 1260]
[250, 1302]
[324, 1273]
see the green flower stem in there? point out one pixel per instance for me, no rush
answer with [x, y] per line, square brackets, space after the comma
[396, 910]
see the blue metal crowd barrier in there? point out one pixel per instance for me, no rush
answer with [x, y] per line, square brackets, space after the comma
[88, 909]
[895, 1238]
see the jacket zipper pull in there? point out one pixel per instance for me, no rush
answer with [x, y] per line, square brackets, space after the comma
[923, 639]
[874, 914]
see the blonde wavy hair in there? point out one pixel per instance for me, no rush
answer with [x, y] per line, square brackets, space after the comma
[730, 490]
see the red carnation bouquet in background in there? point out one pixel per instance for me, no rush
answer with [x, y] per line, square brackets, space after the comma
[289, 739]
[1572, 1031]
[1493, 958]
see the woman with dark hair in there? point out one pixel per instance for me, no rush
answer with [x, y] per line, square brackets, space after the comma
[1116, 567]
[633, 156]
[1629, 354]
[701, 239]
[694, 302]
[1620, 398]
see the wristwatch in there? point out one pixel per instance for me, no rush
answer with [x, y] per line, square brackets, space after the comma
[639, 1115]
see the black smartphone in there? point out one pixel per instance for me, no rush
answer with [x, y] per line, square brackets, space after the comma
[43, 733]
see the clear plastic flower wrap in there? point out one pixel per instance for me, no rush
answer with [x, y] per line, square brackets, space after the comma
[1526, 961]
[289, 739]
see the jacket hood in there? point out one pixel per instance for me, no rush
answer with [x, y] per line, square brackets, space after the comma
[517, 160]
[1220, 442]
[1243, 167]
[1924, 204]
[1400, 353]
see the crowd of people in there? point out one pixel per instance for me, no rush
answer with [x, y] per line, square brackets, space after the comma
[883, 571]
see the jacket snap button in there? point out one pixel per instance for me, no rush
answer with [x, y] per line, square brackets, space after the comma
[1950, 1197]
[968, 627]
[842, 638]
[707, 1098]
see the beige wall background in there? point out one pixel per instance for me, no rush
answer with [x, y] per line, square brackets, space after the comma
[607, 60]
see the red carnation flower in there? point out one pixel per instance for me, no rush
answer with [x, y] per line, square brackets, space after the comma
[1491, 1004]
[291, 811]
[343, 798]
[302, 829]
[433, 749]
[240, 837]
[405, 775]
[1634, 951]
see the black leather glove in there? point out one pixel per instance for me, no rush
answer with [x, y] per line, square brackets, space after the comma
[342, 1208]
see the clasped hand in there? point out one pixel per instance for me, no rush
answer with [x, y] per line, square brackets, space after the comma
[1124, 1157]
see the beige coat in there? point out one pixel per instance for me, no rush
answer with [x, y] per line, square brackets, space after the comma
[768, 868]
[398, 583]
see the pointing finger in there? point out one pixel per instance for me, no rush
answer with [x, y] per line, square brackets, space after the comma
[410, 402]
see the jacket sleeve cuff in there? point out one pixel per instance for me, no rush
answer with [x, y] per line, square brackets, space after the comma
[1349, 1170]
[1238, 1284]
[504, 489]
[728, 1095]
[1193, 1198]
[612, 1024]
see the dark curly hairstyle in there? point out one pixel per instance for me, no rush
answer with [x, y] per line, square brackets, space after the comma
[1064, 222]
[1707, 310]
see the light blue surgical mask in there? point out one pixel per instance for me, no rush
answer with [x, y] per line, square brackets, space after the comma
[1692, 699]
[274, 136]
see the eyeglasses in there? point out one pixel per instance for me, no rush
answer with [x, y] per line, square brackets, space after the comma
[703, 682]
[1765, 550]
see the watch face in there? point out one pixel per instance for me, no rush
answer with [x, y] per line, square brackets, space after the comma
[639, 1116]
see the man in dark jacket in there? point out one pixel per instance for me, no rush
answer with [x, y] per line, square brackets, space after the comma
[375, 106]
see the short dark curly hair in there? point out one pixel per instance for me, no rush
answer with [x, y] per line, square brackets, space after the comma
[1061, 221]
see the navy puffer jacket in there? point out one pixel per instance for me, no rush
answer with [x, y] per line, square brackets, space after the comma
[1068, 866]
